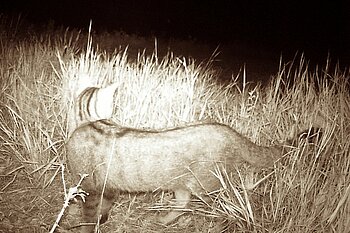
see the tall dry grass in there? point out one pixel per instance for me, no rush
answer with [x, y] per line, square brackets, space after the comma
[31, 119]
[309, 188]
[307, 191]
[151, 92]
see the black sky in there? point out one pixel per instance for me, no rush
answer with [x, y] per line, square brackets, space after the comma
[315, 26]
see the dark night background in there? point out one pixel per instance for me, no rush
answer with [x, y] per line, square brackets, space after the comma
[313, 27]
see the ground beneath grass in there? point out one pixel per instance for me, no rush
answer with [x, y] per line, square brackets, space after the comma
[25, 205]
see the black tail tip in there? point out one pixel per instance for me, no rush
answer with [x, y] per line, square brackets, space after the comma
[311, 135]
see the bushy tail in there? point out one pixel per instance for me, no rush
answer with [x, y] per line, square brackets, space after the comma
[267, 156]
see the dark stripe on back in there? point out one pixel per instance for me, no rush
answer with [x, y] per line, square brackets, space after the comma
[107, 127]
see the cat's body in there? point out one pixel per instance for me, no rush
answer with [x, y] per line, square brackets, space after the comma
[182, 160]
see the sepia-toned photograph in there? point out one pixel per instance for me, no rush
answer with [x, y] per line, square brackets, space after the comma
[174, 116]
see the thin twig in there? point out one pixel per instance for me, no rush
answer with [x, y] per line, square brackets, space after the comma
[73, 192]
